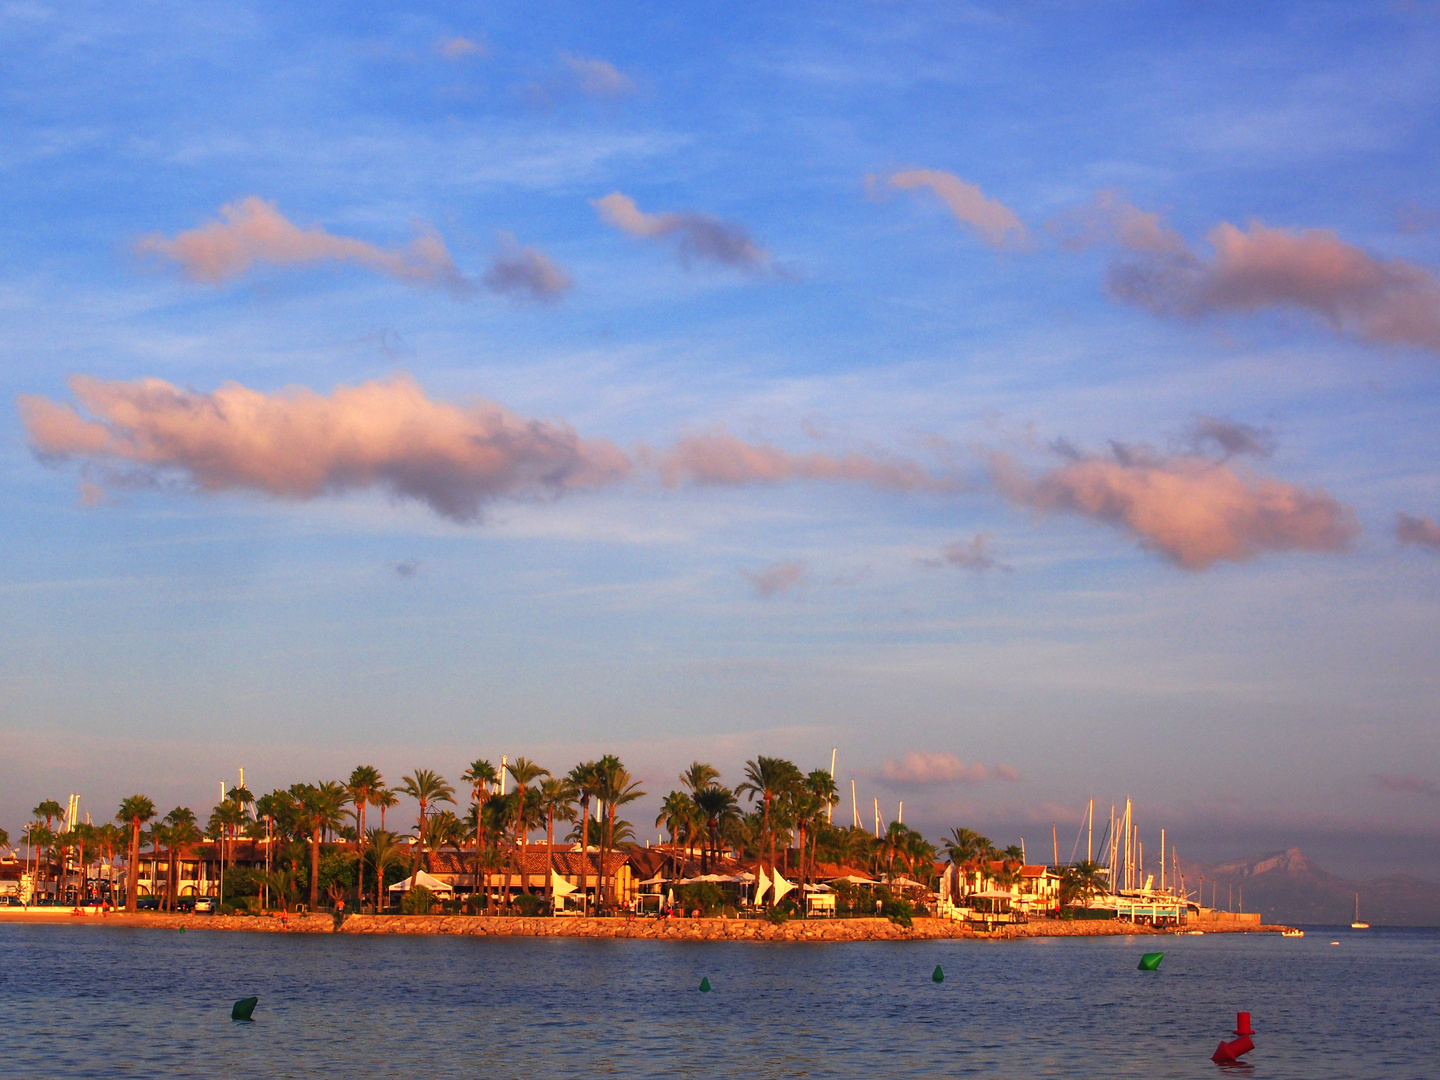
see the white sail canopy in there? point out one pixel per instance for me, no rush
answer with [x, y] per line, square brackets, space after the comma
[763, 886]
[781, 887]
[560, 886]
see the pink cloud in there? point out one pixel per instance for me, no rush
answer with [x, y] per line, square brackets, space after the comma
[254, 233]
[527, 273]
[699, 236]
[461, 48]
[974, 554]
[1409, 785]
[299, 444]
[994, 222]
[1109, 218]
[1421, 531]
[938, 767]
[1191, 509]
[598, 78]
[1258, 267]
[719, 459]
[779, 578]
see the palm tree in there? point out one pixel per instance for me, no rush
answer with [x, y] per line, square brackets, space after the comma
[1081, 881]
[617, 788]
[364, 782]
[699, 775]
[766, 780]
[586, 779]
[524, 771]
[182, 831]
[49, 810]
[677, 815]
[384, 853]
[718, 806]
[821, 784]
[493, 818]
[481, 776]
[425, 787]
[385, 799]
[109, 840]
[77, 838]
[225, 821]
[557, 800]
[964, 848]
[321, 808]
[134, 811]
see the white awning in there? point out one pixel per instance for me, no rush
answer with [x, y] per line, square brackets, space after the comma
[434, 884]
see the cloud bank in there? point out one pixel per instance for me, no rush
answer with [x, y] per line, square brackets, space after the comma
[719, 459]
[298, 444]
[1408, 785]
[700, 237]
[598, 78]
[974, 554]
[1193, 510]
[1420, 531]
[461, 48]
[1387, 301]
[253, 233]
[938, 767]
[989, 219]
[526, 273]
[778, 578]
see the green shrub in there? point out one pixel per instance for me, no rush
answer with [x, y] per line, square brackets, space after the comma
[530, 905]
[418, 901]
[895, 908]
[704, 895]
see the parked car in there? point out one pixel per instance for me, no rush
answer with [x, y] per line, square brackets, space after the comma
[204, 905]
[147, 903]
[185, 905]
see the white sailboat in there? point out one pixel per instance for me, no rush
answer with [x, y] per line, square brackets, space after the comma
[1357, 924]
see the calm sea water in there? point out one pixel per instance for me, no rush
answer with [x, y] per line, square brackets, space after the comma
[108, 1001]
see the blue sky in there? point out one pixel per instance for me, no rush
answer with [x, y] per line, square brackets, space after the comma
[155, 636]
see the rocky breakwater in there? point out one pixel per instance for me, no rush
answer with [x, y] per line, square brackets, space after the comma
[723, 929]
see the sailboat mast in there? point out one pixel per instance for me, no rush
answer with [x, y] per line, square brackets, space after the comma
[1090, 834]
[1162, 859]
[830, 806]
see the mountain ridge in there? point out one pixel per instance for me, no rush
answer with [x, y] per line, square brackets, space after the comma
[1287, 887]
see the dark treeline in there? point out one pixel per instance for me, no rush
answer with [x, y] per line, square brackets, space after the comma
[320, 844]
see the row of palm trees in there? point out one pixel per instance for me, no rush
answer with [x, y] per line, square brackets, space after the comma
[789, 813]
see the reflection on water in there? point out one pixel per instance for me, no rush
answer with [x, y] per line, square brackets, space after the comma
[108, 1001]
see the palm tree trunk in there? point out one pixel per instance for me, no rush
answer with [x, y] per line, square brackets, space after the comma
[132, 871]
[315, 868]
[584, 853]
[360, 853]
[550, 859]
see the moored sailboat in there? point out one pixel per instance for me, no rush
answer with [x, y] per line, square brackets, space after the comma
[1357, 924]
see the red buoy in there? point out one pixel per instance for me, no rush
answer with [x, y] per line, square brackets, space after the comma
[1231, 1051]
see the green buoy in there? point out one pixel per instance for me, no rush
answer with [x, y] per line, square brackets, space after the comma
[1151, 961]
[243, 1008]
[705, 985]
[938, 976]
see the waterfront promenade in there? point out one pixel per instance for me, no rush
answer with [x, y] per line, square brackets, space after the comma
[674, 929]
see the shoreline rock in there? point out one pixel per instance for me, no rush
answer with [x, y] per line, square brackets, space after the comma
[648, 929]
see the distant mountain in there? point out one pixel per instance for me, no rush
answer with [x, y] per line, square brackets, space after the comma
[1286, 887]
